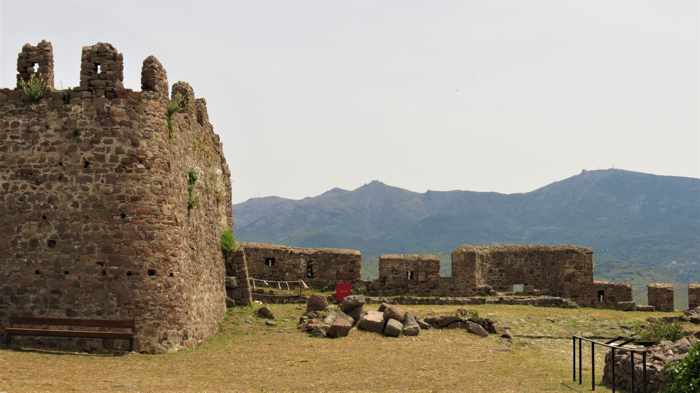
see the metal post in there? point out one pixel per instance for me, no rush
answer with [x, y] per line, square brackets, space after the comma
[580, 362]
[632, 365]
[573, 357]
[592, 365]
[644, 371]
[612, 370]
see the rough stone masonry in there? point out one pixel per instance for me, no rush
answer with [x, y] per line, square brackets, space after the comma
[98, 217]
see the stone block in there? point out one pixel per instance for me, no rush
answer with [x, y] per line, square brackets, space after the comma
[393, 328]
[372, 321]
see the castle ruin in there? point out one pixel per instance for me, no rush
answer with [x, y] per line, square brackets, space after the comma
[112, 206]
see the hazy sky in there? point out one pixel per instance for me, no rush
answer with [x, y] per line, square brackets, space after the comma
[481, 95]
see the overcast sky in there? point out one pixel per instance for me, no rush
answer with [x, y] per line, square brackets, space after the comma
[479, 95]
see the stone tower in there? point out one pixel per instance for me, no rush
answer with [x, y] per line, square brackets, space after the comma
[112, 205]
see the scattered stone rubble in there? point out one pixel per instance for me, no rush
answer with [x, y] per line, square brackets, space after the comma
[657, 358]
[390, 320]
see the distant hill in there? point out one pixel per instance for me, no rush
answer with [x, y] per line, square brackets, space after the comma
[641, 226]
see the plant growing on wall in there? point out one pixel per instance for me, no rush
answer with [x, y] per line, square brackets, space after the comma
[191, 181]
[174, 106]
[228, 242]
[34, 88]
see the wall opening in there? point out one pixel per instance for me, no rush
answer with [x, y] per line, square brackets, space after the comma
[310, 269]
[601, 296]
[270, 262]
[37, 272]
[86, 164]
[98, 69]
[43, 217]
[411, 275]
[151, 272]
[35, 68]
[128, 274]
[518, 288]
[680, 296]
[123, 215]
[51, 243]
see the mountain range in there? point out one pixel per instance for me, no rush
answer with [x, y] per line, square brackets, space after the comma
[640, 226]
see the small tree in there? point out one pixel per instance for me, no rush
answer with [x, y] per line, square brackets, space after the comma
[684, 375]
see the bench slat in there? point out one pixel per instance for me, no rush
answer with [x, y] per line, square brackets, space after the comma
[126, 324]
[66, 333]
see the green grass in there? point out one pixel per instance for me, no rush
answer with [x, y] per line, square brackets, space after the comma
[248, 356]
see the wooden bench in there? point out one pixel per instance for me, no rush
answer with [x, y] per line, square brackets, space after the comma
[16, 328]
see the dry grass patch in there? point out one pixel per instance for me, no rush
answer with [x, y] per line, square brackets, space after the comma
[248, 356]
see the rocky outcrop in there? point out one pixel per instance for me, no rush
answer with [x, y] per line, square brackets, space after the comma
[657, 358]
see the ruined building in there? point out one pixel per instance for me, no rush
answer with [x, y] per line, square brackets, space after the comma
[112, 202]
[318, 267]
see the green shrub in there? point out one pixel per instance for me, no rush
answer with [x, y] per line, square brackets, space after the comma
[191, 181]
[175, 105]
[34, 88]
[683, 376]
[228, 242]
[660, 331]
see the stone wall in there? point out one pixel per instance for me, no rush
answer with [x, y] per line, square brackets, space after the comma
[608, 295]
[693, 296]
[318, 267]
[660, 296]
[237, 285]
[95, 216]
[408, 274]
[565, 271]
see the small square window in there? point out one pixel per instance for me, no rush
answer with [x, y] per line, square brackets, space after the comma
[269, 262]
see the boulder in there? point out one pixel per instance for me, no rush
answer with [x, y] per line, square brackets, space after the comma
[264, 312]
[352, 305]
[477, 329]
[372, 321]
[352, 302]
[316, 303]
[340, 327]
[487, 324]
[411, 327]
[423, 324]
[393, 328]
[445, 321]
[395, 312]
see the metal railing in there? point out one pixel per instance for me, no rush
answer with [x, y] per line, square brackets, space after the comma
[616, 344]
[300, 285]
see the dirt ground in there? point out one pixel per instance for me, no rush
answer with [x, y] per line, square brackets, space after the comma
[248, 356]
